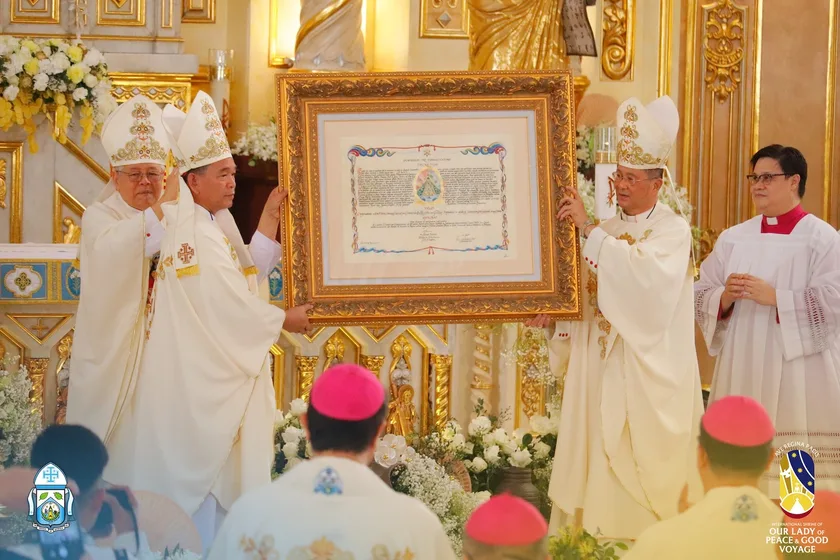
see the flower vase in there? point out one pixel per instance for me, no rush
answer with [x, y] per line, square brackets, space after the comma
[517, 481]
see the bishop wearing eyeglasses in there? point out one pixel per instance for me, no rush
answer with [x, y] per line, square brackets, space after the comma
[768, 303]
[632, 402]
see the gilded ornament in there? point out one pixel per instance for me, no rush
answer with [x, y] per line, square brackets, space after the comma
[603, 325]
[402, 414]
[723, 48]
[442, 365]
[305, 366]
[64, 350]
[2, 183]
[71, 232]
[628, 151]
[37, 368]
[708, 238]
[373, 363]
[631, 240]
[143, 145]
[296, 95]
[617, 49]
[334, 350]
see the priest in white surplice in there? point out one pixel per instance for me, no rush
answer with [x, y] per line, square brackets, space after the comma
[768, 303]
[632, 400]
[121, 235]
[202, 426]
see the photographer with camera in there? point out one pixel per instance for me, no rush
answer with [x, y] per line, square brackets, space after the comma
[100, 511]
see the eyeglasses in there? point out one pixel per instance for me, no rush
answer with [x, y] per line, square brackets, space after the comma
[630, 181]
[137, 176]
[764, 178]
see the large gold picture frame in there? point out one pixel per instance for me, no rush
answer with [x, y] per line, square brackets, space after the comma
[308, 104]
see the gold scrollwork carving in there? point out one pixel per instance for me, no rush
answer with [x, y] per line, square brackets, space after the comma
[305, 366]
[618, 42]
[373, 363]
[533, 396]
[723, 48]
[37, 368]
[2, 183]
[64, 349]
[334, 350]
[199, 11]
[160, 88]
[708, 238]
[443, 384]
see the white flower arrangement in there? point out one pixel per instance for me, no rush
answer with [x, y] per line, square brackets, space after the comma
[53, 77]
[290, 444]
[259, 143]
[20, 421]
[426, 480]
[392, 450]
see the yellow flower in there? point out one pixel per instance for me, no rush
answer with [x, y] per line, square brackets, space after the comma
[86, 120]
[76, 73]
[32, 66]
[75, 54]
[30, 44]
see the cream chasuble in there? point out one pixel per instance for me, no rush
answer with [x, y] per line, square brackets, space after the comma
[204, 407]
[632, 401]
[110, 321]
[330, 508]
[790, 365]
[729, 522]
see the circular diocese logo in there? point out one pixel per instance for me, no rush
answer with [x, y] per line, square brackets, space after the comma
[428, 185]
[796, 480]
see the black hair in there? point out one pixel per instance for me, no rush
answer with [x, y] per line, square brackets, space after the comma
[658, 173]
[474, 550]
[76, 450]
[197, 171]
[789, 159]
[743, 460]
[329, 434]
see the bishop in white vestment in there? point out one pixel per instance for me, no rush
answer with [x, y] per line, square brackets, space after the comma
[768, 304]
[632, 400]
[121, 235]
[202, 426]
[334, 506]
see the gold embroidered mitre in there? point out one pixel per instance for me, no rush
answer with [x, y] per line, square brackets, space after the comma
[200, 137]
[134, 133]
[647, 134]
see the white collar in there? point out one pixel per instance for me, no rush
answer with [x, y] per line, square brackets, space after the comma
[205, 210]
[640, 217]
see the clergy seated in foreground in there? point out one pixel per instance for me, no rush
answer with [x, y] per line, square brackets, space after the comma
[334, 505]
[204, 400]
[768, 304]
[122, 231]
[816, 536]
[506, 528]
[631, 362]
[734, 519]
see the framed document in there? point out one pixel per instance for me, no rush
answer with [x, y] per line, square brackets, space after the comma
[428, 197]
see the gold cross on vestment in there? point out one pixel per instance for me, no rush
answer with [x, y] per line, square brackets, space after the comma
[186, 253]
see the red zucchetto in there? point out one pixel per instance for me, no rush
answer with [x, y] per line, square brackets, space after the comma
[738, 421]
[506, 520]
[347, 392]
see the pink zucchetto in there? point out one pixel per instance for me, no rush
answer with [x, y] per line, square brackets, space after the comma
[347, 392]
[738, 421]
[506, 520]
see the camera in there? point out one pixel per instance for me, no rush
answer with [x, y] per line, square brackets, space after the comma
[104, 524]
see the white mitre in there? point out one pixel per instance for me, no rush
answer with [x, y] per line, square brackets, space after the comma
[200, 137]
[134, 133]
[647, 134]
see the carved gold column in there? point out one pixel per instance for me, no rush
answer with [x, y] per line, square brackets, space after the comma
[37, 368]
[482, 379]
[305, 373]
[442, 371]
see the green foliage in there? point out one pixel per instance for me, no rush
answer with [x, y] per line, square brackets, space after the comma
[570, 543]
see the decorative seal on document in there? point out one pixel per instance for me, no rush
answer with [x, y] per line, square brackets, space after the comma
[428, 185]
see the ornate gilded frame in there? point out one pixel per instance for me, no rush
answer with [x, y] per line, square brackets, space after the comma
[550, 95]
